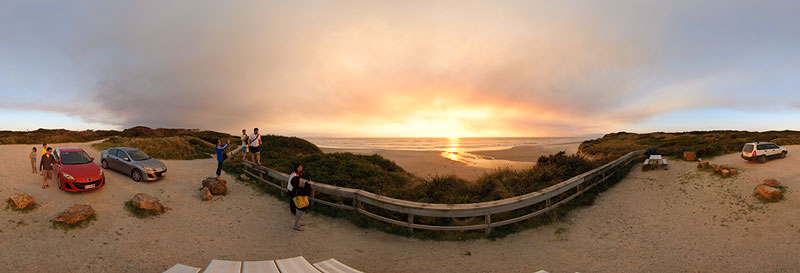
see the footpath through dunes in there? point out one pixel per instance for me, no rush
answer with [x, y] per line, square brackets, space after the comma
[677, 220]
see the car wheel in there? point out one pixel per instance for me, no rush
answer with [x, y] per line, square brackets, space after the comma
[783, 155]
[762, 159]
[136, 175]
[104, 164]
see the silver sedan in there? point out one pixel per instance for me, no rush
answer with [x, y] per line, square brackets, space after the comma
[131, 161]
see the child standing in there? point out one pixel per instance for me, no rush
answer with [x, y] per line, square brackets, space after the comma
[32, 158]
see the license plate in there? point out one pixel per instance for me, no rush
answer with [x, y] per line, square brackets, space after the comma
[89, 187]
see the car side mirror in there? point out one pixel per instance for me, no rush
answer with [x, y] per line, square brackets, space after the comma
[126, 159]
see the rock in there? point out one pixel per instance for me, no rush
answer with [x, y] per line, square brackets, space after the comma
[147, 202]
[244, 177]
[689, 156]
[725, 172]
[703, 165]
[733, 172]
[216, 186]
[209, 180]
[22, 200]
[770, 193]
[771, 183]
[206, 194]
[75, 214]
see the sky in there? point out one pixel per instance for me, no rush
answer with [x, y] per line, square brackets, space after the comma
[401, 68]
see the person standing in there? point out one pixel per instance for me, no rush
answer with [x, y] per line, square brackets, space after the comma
[254, 142]
[244, 144]
[296, 172]
[301, 189]
[46, 167]
[221, 156]
[32, 158]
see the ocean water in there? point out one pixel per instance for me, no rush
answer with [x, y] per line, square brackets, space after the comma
[440, 144]
[456, 149]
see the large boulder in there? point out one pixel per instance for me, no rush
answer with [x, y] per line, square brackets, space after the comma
[75, 214]
[206, 194]
[216, 186]
[733, 172]
[771, 183]
[689, 156]
[769, 193]
[703, 165]
[725, 172]
[22, 200]
[147, 202]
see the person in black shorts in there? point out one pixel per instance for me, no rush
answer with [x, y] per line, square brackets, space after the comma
[254, 144]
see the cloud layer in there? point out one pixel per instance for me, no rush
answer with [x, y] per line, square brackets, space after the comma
[406, 68]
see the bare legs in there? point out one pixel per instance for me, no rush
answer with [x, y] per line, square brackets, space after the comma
[297, 216]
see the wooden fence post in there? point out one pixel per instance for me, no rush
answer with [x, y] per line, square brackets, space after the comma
[313, 196]
[283, 186]
[488, 224]
[356, 203]
[411, 223]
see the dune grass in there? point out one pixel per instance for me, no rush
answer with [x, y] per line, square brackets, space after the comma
[705, 143]
[376, 174]
[53, 136]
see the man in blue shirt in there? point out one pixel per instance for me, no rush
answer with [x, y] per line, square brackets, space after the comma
[221, 155]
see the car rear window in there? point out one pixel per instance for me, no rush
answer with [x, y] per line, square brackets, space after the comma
[748, 148]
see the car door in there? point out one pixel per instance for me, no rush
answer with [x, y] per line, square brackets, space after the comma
[112, 160]
[57, 165]
[124, 165]
[775, 149]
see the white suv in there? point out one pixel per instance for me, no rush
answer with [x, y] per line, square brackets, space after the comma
[762, 150]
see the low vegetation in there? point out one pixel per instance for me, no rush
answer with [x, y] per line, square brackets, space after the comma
[53, 136]
[181, 144]
[704, 143]
[376, 174]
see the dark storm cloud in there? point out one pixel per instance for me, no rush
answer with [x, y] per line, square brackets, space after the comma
[372, 68]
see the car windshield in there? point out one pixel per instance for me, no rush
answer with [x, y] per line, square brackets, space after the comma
[75, 158]
[748, 148]
[137, 155]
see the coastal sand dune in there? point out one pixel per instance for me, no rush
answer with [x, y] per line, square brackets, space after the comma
[680, 220]
[431, 163]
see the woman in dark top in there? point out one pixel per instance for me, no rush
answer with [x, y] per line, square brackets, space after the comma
[299, 188]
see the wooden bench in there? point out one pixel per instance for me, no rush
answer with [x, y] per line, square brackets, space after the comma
[179, 268]
[655, 160]
[295, 265]
[221, 266]
[334, 266]
[260, 267]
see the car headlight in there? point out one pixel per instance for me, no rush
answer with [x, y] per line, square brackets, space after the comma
[68, 177]
[148, 168]
[101, 172]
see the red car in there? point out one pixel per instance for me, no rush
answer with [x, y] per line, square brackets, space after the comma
[76, 171]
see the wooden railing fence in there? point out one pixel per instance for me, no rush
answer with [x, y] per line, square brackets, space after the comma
[551, 197]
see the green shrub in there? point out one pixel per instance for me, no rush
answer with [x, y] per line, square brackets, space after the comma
[705, 144]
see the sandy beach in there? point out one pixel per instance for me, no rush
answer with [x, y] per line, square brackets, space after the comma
[679, 220]
[432, 163]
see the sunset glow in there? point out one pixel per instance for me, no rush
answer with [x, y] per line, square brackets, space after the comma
[393, 69]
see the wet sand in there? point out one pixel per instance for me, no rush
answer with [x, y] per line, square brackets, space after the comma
[432, 163]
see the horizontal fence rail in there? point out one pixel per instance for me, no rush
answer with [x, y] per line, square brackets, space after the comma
[551, 197]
